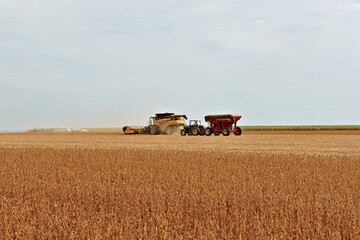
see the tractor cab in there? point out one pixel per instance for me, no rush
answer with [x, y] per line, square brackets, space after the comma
[195, 123]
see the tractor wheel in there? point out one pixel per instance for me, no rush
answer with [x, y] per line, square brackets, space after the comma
[202, 131]
[238, 131]
[195, 131]
[216, 133]
[208, 131]
[183, 132]
[125, 128]
[154, 130]
[226, 131]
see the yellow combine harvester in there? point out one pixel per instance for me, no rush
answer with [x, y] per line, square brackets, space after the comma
[167, 123]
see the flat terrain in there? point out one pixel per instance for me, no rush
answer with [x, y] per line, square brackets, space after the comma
[294, 142]
[261, 185]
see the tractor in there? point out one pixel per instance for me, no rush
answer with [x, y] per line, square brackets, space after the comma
[224, 124]
[194, 128]
[166, 123]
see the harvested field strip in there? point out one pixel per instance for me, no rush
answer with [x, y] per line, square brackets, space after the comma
[302, 128]
[101, 194]
[246, 128]
[289, 142]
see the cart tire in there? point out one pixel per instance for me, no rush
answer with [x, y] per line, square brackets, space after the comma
[208, 131]
[238, 131]
[183, 132]
[195, 131]
[226, 131]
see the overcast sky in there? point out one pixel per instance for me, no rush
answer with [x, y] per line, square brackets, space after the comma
[109, 63]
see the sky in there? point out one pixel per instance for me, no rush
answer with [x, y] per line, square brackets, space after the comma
[110, 63]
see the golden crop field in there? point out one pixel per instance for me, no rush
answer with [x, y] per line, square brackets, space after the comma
[288, 185]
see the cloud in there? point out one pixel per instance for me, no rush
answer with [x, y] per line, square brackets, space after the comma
[350, 6]
[259, 21]
[250, 56]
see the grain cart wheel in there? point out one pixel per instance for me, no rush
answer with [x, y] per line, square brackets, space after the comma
[202, 131]
[208, 131]
[238, 131]
[183, 132]
[154, 130]
[195, 131]
[226, 131]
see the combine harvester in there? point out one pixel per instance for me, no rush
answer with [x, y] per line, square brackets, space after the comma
[224, 124]
[165, 123]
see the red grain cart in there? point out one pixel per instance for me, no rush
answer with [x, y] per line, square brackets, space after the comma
[224, 124]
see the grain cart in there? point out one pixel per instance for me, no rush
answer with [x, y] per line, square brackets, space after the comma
[167, 123]
[194, 128]
[224, 124]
